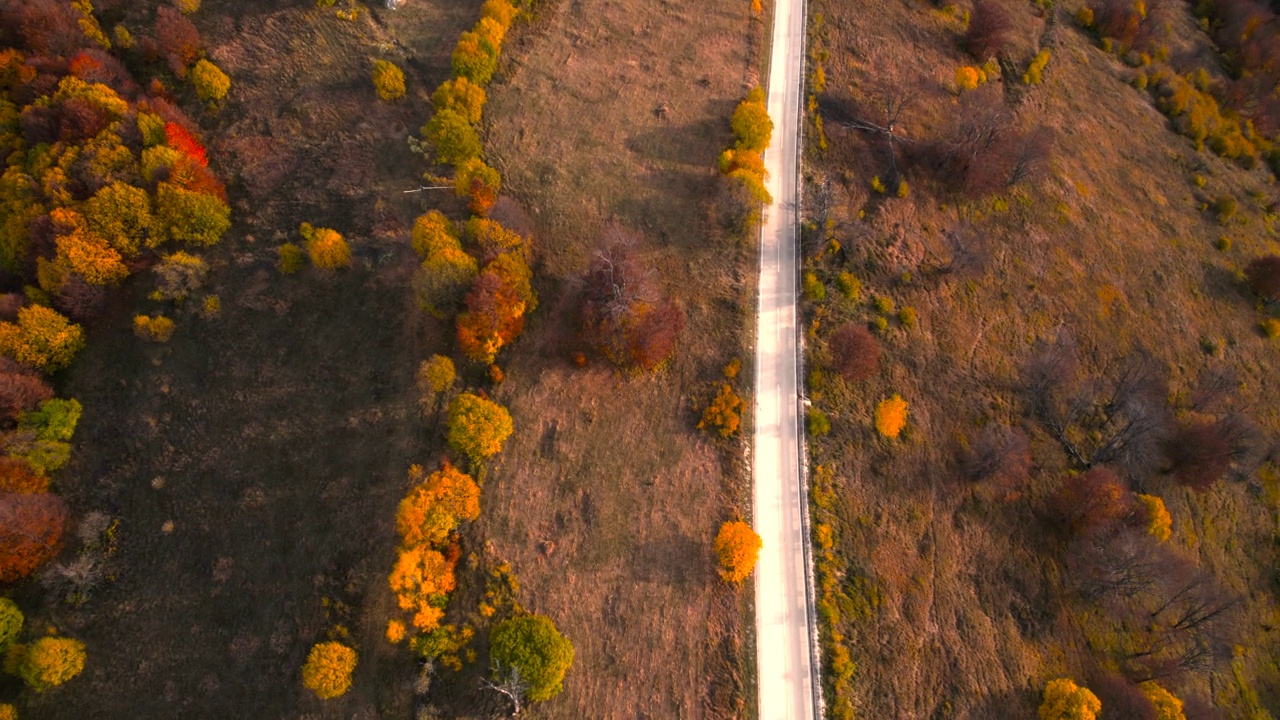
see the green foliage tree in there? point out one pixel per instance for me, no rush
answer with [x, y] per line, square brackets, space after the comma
[41, 338]
[534, 647]
[478, 427]
[388, 80]
[44, 435]
[454, 139]
[210, 82]
[50, 662]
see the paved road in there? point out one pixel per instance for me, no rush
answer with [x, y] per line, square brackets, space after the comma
[782, 619]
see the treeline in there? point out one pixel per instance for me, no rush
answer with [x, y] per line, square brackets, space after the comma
[104, 175]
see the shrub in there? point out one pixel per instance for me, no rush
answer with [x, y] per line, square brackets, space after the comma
[903, 189]
[187, 7]
[883, 304]
[817, 422]
[435, 506]
[8, 712]
[454, 139]
[1168, 706]
[210, 82]
[1225, 208]
[461, 96]
[855, 354]
[988, 31]
[178, 275]
[478, 427]
[328, 250]
[1035, 70]
[11, 620]
[1263, 277]
[907, 318]
[388, 80]
[1084, 16]
[328, 669]
[891, 416]
[814, 290]
[849, 284]
[155, 329]
[737, 548]
[421, 580]
[290, 258]
[50, 662]
[395, 631]
[435, 376]
[1064, 700]
[751, 124]
[968, 78]
[531, 645]
[1270, 328]
[722, 412]
[1159, 522]
[41, 338]
[475, 58]
[1223, 243]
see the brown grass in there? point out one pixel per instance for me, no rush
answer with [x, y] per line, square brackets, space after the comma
[1111, 247]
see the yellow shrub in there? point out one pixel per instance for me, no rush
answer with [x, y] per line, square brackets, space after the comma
[1064, 700]
[395, 631]
[891, 416]
[291, 258]
[967, 78]
[737, 547]
[50, 661]
[328, 669]
[156, 329]
[328, 250]
[388, 80]
[1159, 522]
[722, 413]
[1271, 328]
[1034, 72]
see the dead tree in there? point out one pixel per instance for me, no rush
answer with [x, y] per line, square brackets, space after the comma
[508, 682]
[877, 114]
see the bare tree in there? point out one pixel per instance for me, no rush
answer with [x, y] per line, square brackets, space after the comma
[876, 113]
[989, 29]
[507, 681]
[968, 252]
[1199, 455]
[999, 453]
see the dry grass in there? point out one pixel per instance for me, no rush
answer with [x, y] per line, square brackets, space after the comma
[1112, 248]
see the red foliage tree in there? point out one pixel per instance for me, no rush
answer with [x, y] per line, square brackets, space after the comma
[96, 66]
[624, 316]
[17, 477]
[184, 142]
[493, 318]
[1199, 455]
[989, 29]
[30, 529]
[80, 120]
[21, 390]
[1263, 276]
[178, 40]
[855, 354]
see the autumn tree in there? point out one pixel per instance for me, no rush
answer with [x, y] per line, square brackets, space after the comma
[11, 621]
[327, 249]
[891, 416]
[50, 662]
[737, 547]
[453, 137]
[855, 354]
[178, 275]
[436, 505]
[421, 578]
[461, 96]
[624, 315]
[493, 240]
[328, 669]
[1263, 277]
[989, 29]
[1159, 522]
[435, 376]
[1121, 698]
[176, 40]
[479, 182]
[722, 413]
[1166, 704]
[442, 281]
[495, 308]
[477, 427]
[211, 83]
[751, 124]
[1065, 700]
[194, 218]
[1091, 501]
[532, 646]
[432, 232]
[21, 389]
[41, 338]
[120, 214]
[30, 530]
[475, 58]
[388, 80]
[999, 454]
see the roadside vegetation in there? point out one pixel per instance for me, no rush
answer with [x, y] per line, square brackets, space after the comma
[1038, 250]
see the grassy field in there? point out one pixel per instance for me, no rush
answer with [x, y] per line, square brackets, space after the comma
[255, 462]
[960, 602]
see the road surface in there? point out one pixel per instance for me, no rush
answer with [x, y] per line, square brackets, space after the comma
[783, 657]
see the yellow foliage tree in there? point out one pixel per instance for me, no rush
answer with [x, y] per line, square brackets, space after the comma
[120, 214]
[210, 82]
[752, 126]
[1064, 700]
[328, 250]
[420, 579]
[461, 96]
[737, 547]
[1159, 522]
[84, 253]
[891, 416]
[722, 413]
[493, 239]
[328, 669]
[156, 329]
[434, 507]
[388, 80]
[41, 338]
[50, 661]
[435, 375]
[968, 78]
[478, 427]
[8, 712]
[432, 233]
[1168, 706]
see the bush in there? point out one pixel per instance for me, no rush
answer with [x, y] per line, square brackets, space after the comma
[1263, 277]
[1270, 328]
[849, 284]
[1084, 16]
[210, 82]
[855, 354]
[531, 645]
[1159, 522]
[1225, 208]
[41, 338]
[891, 416]
[11, 621]
[50, 662]
[737, 548]
[435, 376]
[814, 290]
[883, 304]
[328, 669]
[154, 329]
[328, 250]
[388, 80]
[968, 78]
[435, 506]
[1064, 700]
[907, 318]
[178, 275]
[817, 422]
[722, 412]
[290, 258]
[8, 712]
[454, 139]
[478, 427]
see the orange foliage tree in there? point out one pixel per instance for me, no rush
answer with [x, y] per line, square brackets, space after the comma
[494, 316]
[421, 579]
[737, 547]
[328, 669]
[30, 529]
[435, 506]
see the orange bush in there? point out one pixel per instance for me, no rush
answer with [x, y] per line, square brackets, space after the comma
[722, 412]
[737, 546]
[891, 416]
[434, 507]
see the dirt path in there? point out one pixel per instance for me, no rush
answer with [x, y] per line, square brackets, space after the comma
[783, 619]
